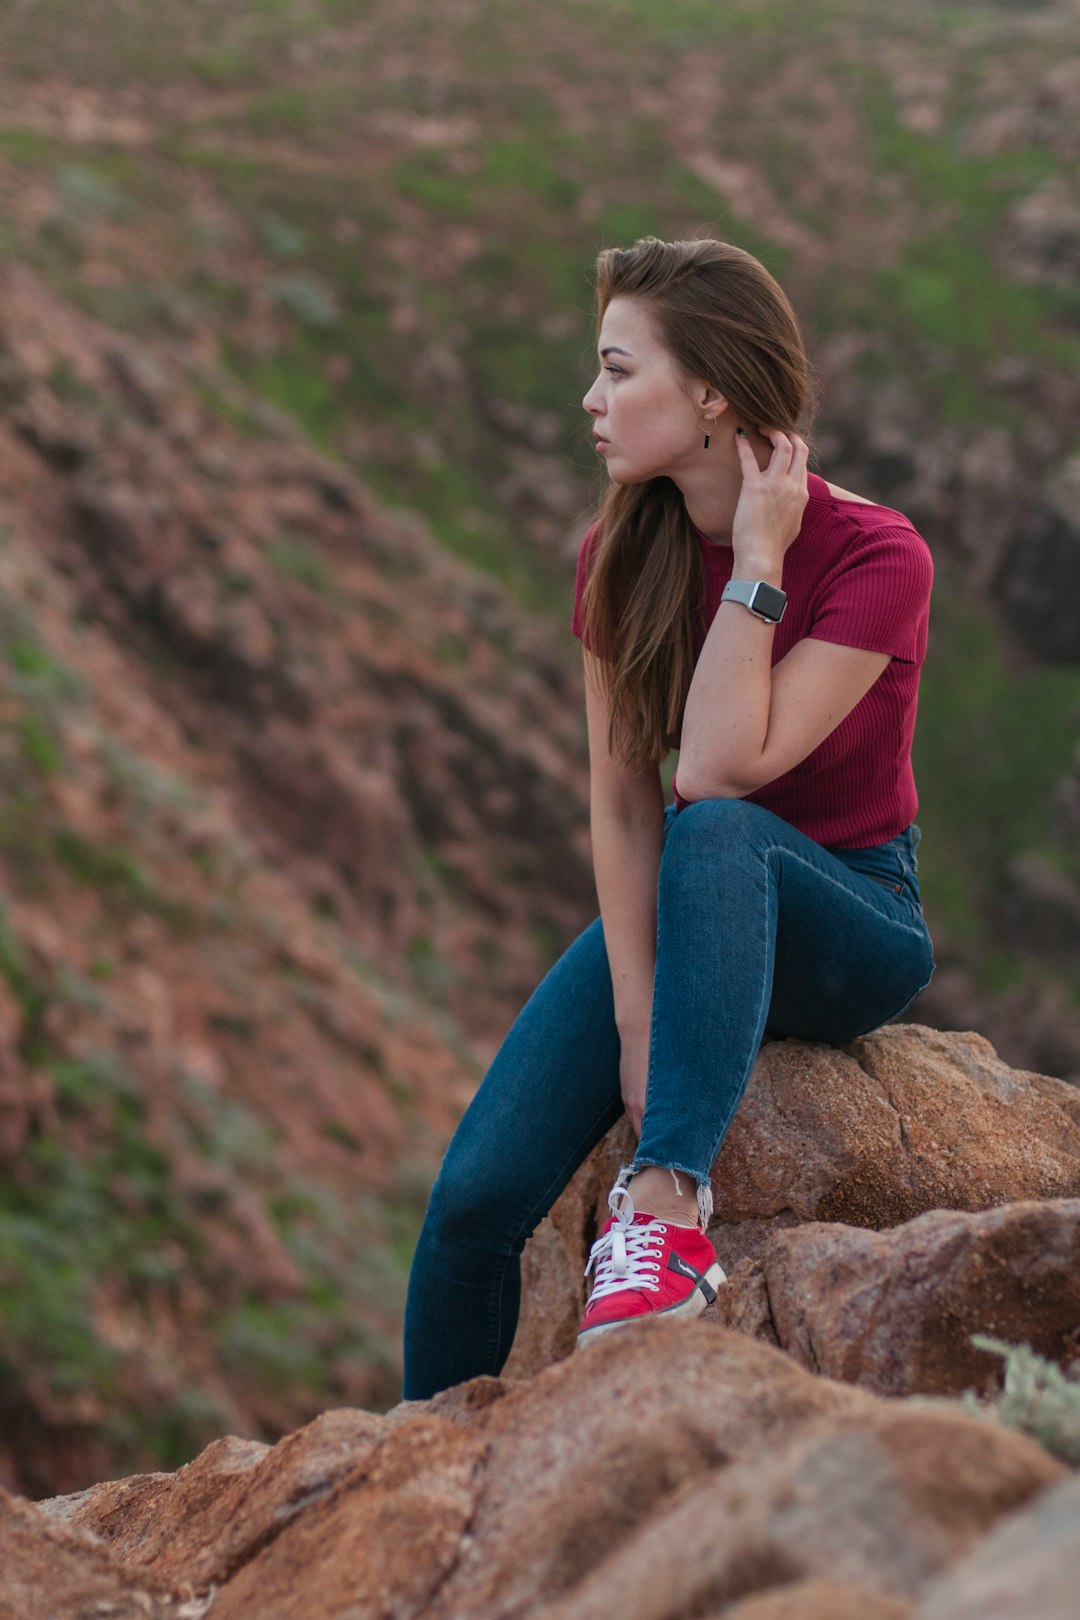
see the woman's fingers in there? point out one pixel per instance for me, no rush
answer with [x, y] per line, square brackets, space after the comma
[782, 451]
[790, 451]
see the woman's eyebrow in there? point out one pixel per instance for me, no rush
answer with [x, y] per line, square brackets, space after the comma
[612, 350]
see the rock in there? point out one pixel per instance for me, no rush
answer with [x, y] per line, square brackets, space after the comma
[1025, 1566]
[904, 1121]
[201, 1523]
[560, 1497]
[881, 1501]
[819, 1600]
[383, 1542]
[552, 1266]
[894, 1311]
[48, 1572]
[618, 1427]
[687, 1436]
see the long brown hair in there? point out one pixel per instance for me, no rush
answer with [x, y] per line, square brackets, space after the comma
[724, 318]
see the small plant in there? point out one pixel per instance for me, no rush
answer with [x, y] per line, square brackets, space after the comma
[40, 746]
[307, 296]
[299, 561]
[1039, 1397]
[86, 192]
[280, 238]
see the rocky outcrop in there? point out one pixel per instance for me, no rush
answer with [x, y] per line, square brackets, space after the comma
[895, 1310]
[676, 1469]
[1026, 1566]
[840, 1186]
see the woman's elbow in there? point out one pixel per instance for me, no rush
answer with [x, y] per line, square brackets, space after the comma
[712, 788]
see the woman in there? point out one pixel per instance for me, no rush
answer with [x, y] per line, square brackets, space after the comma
[771, 626]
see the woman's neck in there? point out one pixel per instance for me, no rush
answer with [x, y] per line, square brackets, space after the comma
[711, 488]
[710, 504]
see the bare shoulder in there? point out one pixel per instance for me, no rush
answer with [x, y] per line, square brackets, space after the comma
[846, 495]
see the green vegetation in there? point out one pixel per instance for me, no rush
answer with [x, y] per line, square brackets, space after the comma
[1039, 1398]
[431, 972]
[119, 878]
[423, 179]
[991, 741]
[946, 287]
[70, 1220]
[40, 745]
[109, 1215]
[28, 989]
[298, 560]
[353, 1259]
[307, 296]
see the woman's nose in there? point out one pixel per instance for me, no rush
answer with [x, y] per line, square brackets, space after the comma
[589, 403]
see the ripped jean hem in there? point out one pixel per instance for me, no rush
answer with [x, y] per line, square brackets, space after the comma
[703, 1184]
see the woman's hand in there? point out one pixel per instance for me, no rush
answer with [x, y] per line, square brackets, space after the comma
[771, 504]
[633, 1076]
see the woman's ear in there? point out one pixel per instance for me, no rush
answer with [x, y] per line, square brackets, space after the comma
[711, 401]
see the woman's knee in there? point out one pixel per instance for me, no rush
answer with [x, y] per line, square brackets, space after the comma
[476, 1201]
[709, 825]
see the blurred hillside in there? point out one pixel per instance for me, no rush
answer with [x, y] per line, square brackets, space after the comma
[294, 327]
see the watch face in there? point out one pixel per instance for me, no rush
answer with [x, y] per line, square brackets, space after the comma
[769, 602]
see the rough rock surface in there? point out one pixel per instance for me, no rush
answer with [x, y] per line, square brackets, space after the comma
[1025, 1569]
[895, 1310]
[819, 1600]
[48, 1572]
[561, 1496]
[899, 1124]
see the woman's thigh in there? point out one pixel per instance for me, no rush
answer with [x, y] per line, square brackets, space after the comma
[851, 951]
[551, 1093]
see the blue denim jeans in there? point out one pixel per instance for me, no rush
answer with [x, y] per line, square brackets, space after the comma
[761, 933]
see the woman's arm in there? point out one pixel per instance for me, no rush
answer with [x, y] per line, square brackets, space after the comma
[746, 723]
[626, 818]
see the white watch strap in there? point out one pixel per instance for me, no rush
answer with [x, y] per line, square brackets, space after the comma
[739, 590]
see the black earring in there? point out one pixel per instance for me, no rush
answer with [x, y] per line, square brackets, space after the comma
[707, 437]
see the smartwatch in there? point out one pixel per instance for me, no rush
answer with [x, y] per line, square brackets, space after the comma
[764, 601]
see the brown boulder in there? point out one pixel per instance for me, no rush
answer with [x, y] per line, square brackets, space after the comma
[564, 1497]
[881, 1498]
[382, 1543]
[894, 1311]
[1025, 1566]
[201, 1523]
[818, 1600]
[904, 1121]
[48, 1572]
[583, 1455]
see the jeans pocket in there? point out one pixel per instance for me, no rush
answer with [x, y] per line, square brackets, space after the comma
[909, 864]
[881, 863]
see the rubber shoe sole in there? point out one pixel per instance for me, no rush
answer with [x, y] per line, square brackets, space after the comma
[693, 1305]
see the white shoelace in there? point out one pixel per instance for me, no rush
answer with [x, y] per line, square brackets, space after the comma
[626, 1256]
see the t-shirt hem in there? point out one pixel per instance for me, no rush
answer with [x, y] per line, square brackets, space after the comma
[906, 655]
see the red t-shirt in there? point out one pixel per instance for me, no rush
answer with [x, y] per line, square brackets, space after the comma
[859, 575]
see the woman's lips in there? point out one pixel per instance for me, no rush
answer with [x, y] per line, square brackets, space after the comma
[601, 444]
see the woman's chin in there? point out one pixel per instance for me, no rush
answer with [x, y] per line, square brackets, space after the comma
[626, 475]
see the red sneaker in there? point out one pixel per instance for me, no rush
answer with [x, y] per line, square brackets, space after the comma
[646, 1267]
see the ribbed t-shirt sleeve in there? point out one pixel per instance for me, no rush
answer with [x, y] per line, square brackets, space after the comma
[584, 563]
[878, 596]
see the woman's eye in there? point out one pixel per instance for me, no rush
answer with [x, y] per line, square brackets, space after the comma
[615, 371]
